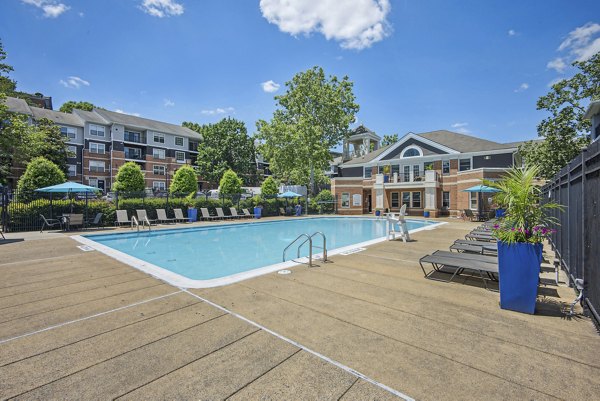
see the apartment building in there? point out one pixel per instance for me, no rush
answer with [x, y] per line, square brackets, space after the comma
[427, 172]
[102, 141]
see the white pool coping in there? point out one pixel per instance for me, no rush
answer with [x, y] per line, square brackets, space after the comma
[185, 282]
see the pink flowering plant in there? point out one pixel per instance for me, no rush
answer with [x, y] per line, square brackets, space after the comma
[526, 218]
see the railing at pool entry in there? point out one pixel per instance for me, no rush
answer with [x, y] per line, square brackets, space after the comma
[309, 239]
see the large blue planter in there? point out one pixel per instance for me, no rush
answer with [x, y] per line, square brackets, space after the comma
[192, 214]
[500, 213]
[519, 271]
[257, 212]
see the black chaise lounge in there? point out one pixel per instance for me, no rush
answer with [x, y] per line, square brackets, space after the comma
[481, 247]
[457, 263]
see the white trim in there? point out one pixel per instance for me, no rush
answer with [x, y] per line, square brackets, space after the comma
[412, 135]
[415, 147]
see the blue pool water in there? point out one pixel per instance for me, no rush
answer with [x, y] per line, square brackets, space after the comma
[203, 253]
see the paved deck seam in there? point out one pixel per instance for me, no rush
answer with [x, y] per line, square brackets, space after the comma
[305, 348]
[104, 332]
[83, 268]
[36, 260]
[348, 389]
[3, 341]
[402, 342]
[117, 356]
[83, 303]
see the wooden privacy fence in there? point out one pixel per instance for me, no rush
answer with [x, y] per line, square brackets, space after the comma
[577, 240]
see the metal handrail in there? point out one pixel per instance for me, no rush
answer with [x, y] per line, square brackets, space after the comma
[292, 243]
[137, 224]
[324, 245]
[146, 221]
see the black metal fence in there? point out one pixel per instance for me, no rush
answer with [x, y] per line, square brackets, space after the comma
[577, 240]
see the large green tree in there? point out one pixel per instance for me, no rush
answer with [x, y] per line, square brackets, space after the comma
[225, 145]
[46, 140]
[14, 131]
[389, 139]
[564, 131]
[313, 116]
[184, 181]
[40, 173]
[7, 85]
[68, 107]
[130, 178]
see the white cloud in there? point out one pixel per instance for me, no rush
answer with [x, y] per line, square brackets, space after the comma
[558, 64]
[162, 8]
[461, 128]
[270, 86]
[581, 43]
[125, 112]
[356, 24]
[512, 32]
[51, 8]
[168, 103]
[218, 110]
[74, 82]
[523, 87]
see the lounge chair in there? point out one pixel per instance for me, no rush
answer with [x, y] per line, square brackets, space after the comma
[247, 213]
[235, 214]
[479, 249]
[480, 236]
[50, 223]
[459, 263]
[162, 216]
[206, 215]
[282, 212]
[179, 215]
[221, 214]
[96, 221]
[142, 216]
[122, 218]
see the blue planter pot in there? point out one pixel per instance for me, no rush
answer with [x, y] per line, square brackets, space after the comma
[257, 212]
[192, 214]
[500, 213]
[519, 271]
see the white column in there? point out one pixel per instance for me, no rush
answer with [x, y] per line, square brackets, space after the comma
[430, 199]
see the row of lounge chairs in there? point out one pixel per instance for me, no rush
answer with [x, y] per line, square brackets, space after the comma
[142, 216]
[478, 253]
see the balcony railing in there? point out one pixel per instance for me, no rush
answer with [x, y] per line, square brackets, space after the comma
[131, 137]
[193, 146]
[134, 154]
[413, 176]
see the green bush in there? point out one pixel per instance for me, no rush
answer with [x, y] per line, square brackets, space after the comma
[269, 187]
[320, 208]
[230, 183]
[184, 181]
[130, 178]
[40, 173]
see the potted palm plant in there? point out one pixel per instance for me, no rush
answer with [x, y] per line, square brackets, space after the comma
[520, 235]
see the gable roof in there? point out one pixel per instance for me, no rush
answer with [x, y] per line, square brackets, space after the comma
[461, 142]
[145, 123]
[57, 117]
[90, 116]
[17, 105]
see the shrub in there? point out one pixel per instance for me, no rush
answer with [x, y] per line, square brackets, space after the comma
[230, 183]
[130, 178]
[323, 202]
[40, 173]
[184, 181]
[269, 187]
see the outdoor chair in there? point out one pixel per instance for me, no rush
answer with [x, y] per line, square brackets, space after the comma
[468, 214]
[162, 216]
[122, 218]
[75, 220]
[50, 223]
[142, 216]
[2, 233]
[247, 213]
[179, 215]
[458, 263]
[477, 249]
[234, 213]
[206, 215]
[96, 221]
[221, 214]
[479, 236]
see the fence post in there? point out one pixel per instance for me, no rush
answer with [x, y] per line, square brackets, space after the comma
[167, 205]
[117, 200]
[583, 206]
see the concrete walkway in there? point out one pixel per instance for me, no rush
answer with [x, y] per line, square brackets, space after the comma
[80, 325]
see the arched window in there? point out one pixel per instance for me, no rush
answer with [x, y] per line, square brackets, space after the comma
[411, 152]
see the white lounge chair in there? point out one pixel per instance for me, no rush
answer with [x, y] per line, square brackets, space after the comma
[142, 216]
[162, 216]
[122, 218]
[206, 215]
[222, 215]
[235, 214]
[247, 213]
[179, 215]
[49, 223]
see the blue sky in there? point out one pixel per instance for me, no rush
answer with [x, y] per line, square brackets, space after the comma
[472, 66]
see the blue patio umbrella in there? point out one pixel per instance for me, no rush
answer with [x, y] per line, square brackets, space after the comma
[68, 187]
[481, 189]
[289, 194]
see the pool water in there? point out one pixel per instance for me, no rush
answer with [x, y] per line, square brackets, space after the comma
[205, 253]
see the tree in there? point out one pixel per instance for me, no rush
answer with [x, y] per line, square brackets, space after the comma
[389, 139]
[46, 140]
[7, 85]
[225, 145]
[269, 187]
[230, 184]
[40, 173]
[184, 181]
[68, 107]
[313, 116]
[129, 178]
[565, 131]
[14, 131]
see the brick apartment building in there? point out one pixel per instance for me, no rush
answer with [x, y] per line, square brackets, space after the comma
[427, 172]
[102, 141]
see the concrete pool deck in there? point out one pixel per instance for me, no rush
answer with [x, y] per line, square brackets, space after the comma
[80, 325]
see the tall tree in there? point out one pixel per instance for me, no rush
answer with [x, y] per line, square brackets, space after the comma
[7, 85]
[389, 139]
[226, 145]
[564, 132]
[14, 134]
[46, 140]
[68, 107]
[313, 116]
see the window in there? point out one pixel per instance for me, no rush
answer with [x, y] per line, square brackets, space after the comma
[96, 130]
[178, 141]
[395, 169]
[158, 153]
[345, 200]
[97, 148]
[395, 199]
[72, 170]
[159, 185]
[368, 171]
[446, 200]
[446, 167]
[159, 170]
[416, 199]
[93, 182]
[380, 169]
[68, 132]
[464, 165]
[411, 152]
[180, 157]
[406, 198]
[416, 172]
[406, 174]
[473, 200]
[72, 150]
[159, 138]
[97, 166]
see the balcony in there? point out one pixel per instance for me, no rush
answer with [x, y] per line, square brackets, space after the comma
[193, 146]
[418, 178]
[134, 137]
[134, 154]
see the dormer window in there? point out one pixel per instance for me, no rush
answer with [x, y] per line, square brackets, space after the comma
[412, 151]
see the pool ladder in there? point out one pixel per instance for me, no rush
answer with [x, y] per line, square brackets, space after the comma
[309, 239]
[135, 222]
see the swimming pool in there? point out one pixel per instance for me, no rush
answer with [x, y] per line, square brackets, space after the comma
[207, 256]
